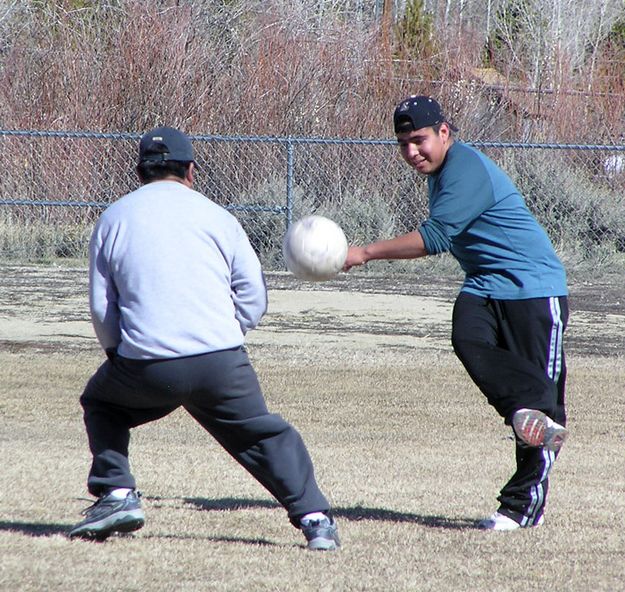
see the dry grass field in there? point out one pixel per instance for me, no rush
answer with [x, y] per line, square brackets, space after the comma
[404, 446]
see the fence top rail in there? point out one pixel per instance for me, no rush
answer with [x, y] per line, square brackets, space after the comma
[292, 140]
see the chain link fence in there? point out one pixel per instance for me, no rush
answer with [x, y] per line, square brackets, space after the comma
[55, 185]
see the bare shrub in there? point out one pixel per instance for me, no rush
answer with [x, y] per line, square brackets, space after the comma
[34, 238]
[572, 198]
[296, 68]
[288, 67]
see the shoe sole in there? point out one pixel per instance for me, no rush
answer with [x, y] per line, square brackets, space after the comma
[534, 428]
[494, 526]
[321, 536]
[129, 522]
[506, 526]
[322, 545]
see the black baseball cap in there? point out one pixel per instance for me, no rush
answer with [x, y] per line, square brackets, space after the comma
[416, 112]
[164, 144]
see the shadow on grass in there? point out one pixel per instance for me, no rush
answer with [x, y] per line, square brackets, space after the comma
[348, 513]
[229, 503]
[45, 530]
[362, 513]
[34, 529]
[214, 539]
[353, 513]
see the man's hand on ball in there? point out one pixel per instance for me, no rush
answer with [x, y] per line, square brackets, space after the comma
[355, 256]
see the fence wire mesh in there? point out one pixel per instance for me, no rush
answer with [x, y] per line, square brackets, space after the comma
[55, 185]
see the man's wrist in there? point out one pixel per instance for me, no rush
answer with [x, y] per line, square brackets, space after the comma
[367, 254]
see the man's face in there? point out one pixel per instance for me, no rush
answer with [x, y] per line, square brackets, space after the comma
[424, 149]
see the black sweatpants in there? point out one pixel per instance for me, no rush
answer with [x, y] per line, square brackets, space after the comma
[221, 391]
[512, 349]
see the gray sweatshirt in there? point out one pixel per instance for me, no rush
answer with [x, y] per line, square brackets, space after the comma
[172, 274]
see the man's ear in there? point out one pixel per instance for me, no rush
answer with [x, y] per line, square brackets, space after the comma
[190, 174]
[444, 131]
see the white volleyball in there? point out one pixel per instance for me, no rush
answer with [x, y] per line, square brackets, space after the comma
[314, 248]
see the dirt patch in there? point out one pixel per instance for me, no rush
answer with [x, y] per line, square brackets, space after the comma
[45, 308]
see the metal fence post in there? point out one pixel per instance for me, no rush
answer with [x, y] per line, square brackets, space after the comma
[289, 183]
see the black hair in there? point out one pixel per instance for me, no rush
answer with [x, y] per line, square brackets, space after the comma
[155, 171]
[437, 128]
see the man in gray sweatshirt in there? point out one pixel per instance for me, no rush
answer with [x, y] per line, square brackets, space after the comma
[174, 286]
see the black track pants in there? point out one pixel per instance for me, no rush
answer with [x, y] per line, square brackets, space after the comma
[512, 349]
[221, 391]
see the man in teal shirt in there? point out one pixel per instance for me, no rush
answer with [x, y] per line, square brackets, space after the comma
[509, 318]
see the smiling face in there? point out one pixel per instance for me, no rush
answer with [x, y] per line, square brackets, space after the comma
[425, 149]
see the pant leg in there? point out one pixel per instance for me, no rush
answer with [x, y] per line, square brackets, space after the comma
[513, 351]
[506, 346]
[227, 401]
[524, 497]
[114, 401]
[534, 329]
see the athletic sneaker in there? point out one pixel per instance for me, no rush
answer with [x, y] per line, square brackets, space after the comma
[322, 535]
[502, 522]
[108, 515]
[537, 429]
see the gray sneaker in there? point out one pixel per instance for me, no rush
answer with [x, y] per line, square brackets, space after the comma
[109, 515]
[322, 535]
[537, 429]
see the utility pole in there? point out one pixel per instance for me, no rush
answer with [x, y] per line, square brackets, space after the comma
[387, 22]
[386, 32]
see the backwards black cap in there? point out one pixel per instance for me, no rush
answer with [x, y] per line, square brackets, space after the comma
[165, 144]
[416, 112]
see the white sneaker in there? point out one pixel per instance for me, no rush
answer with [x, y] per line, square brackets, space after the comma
[501, 522]
[537, 429]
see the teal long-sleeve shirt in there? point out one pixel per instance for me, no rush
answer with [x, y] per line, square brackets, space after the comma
[479, 216]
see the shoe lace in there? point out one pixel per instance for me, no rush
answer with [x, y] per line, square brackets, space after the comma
[93, 505]
[88, 510]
